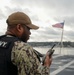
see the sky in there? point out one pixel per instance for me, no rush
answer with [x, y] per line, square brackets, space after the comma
[43, 13]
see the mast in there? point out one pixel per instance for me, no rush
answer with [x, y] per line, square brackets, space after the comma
[61, 45]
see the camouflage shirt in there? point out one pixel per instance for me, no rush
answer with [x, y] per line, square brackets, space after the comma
[25, 59]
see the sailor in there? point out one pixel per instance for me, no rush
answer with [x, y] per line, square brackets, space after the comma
[17, 57]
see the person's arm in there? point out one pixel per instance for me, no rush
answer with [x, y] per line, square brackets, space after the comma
[26, 60]
[45, 68]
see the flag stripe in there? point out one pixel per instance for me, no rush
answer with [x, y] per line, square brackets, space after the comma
[58, 25]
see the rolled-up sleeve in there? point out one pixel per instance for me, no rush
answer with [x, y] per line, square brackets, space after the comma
[25, 59]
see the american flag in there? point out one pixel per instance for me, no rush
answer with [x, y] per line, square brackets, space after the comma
[59, 25]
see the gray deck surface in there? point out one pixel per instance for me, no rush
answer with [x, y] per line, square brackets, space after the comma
[62, 65]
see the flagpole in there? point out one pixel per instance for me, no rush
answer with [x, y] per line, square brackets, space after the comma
[61, 46]
[60, 25]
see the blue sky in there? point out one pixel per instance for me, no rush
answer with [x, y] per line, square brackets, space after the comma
[43, 13]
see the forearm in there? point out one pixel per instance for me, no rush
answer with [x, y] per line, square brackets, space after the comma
[44, 70]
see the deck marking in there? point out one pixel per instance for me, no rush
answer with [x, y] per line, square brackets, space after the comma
[61, 68]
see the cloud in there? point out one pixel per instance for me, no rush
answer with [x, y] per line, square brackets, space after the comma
[1, 33]
[44, 13]
[2, 16]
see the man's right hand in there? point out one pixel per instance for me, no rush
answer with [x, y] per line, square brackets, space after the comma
[48, 61]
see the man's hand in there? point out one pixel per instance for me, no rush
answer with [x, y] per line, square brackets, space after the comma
[48, 61]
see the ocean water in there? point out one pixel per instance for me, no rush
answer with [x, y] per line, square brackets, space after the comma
[58, 50]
